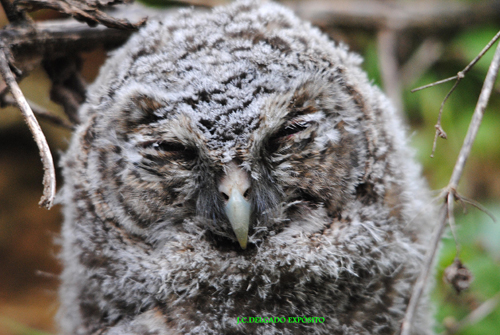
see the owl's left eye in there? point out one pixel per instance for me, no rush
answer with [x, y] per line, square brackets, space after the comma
[291, 129]
[285, 133]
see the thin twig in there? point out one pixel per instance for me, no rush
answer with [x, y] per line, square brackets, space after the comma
[41, 113]
[460, 75]
[451, 189]
[439, 130]
[439, 82]
[477, 205]
[49, 178]
[481, 54]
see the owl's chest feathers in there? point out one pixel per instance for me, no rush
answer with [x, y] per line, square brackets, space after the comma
[310, 282]
[296, 274]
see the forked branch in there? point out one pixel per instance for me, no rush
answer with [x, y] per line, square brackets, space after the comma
[49, 177]
[458, 77]
[449, 193]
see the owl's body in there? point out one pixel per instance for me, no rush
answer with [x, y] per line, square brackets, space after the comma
[249, 103]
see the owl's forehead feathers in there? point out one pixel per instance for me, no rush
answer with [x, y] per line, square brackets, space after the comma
[245, 34]
[218, 68]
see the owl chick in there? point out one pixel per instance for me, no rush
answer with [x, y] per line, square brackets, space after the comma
[233, 167]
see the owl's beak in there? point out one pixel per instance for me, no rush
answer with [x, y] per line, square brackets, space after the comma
[234, 188]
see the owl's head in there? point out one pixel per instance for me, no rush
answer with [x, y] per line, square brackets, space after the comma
[238, 126]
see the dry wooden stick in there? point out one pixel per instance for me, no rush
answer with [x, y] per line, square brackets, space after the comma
[450, 191]
[49, 177]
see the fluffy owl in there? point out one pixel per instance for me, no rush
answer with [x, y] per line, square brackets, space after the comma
[238, 164]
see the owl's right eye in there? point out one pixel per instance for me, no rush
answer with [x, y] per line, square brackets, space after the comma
[169, 146]
[172, 149]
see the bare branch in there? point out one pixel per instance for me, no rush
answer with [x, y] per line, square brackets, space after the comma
[439, 82]
[49, 40]
[419, 286]
[480, 55]
[41, 113]
[451, 189]
[389, 67]
[67, 99]
[421, 15]
[49, 178]
[82, 11]
[476, 119]
[462, 73]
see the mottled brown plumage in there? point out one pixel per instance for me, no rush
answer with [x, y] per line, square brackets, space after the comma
[238, 163]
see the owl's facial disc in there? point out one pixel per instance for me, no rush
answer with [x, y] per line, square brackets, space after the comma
[234, 188]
